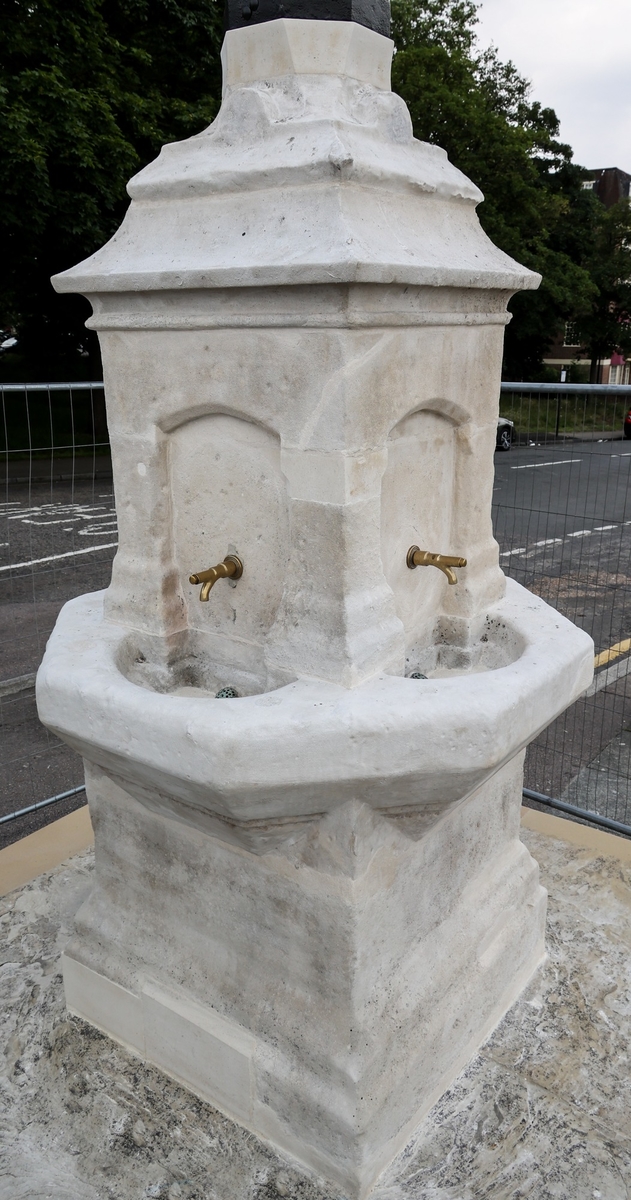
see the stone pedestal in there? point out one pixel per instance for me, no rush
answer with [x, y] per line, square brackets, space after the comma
[326, 992]
[311, 904]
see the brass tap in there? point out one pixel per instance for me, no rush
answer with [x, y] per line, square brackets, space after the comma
[230, 568]
[444, 562]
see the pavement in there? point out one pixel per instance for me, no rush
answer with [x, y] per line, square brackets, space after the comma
[604, 786]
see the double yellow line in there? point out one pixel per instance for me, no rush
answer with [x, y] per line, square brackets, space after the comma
[607, 656]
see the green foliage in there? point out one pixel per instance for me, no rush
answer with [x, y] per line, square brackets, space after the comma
[89, 92]
[607, 326]
[446, 23]
[478, 109]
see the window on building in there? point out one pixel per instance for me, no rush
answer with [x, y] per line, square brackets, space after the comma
[619, 374]
[588, 185]
[571, 337]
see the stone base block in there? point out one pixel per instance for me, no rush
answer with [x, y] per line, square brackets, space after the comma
[323, 994]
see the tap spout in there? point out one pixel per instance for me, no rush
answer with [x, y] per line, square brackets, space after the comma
[230, 568]
[444, 562]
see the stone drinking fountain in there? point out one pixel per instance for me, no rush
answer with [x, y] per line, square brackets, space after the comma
[304, 699]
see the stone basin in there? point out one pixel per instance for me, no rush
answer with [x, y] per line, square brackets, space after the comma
[181, 667]
[395, 743]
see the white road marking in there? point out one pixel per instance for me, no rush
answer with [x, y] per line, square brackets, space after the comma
[71, 512]
[535, 545]
[520, 550]
[97, 530]
[44, 515]
[35, 562]
[559, 462]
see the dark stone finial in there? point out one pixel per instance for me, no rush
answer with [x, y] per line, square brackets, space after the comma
[374, 14]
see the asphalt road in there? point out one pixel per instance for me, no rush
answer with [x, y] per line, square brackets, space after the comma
[55, 543]
[562, 516]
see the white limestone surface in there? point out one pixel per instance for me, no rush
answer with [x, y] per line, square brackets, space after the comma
[321, 434]
[311, 903]
[324, 991]
[309, 174]
[541, 1111]
[294, 753]
[280, 49]
[301, 325]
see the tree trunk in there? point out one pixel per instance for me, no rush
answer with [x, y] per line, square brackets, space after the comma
[596, 371]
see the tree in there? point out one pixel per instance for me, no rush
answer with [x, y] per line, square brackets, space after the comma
[607, 326]
[478, 109]
[89, 92]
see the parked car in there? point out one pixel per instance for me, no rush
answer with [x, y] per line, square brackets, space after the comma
[627, 424]
[506, 432]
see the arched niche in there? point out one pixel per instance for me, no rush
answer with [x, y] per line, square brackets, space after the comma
[228, 493]
[417, 504]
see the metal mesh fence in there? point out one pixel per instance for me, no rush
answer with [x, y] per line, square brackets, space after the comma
[57, 539]
[562, 516]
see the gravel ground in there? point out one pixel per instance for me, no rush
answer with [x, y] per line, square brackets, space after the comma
[541, 1112]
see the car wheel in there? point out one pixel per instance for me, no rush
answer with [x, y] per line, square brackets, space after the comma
[627, 433]
[504, 439]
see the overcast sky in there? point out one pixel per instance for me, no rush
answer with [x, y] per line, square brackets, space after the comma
[577, 54]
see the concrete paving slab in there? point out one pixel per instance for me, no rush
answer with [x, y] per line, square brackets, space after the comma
[604, 786]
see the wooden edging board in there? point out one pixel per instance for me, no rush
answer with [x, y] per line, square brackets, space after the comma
[45, 849]
[586, 836]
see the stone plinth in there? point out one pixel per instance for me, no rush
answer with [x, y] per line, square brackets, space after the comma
[308, 992]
